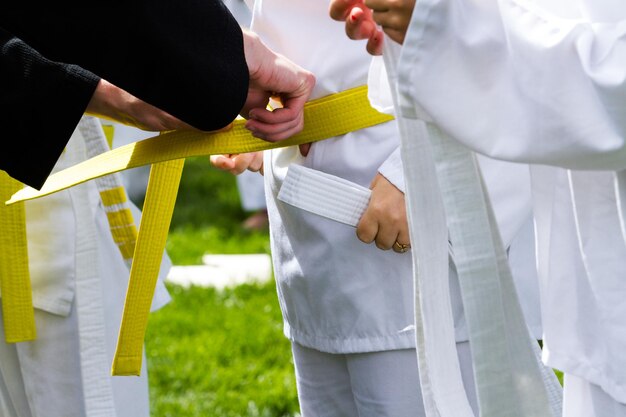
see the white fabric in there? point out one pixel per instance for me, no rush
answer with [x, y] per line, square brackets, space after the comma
[446, 198]
[325, 195]
[549, 80]
[251, 191]
[583, 399]
[337, 294]
[392, 170]
[66, 370]
[240, 10]
[376, 384]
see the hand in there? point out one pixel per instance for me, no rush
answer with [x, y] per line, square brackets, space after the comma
[274, 76]
[384, 220]
[113, 103]
[359, 22]
[394, 16]
[238, 163]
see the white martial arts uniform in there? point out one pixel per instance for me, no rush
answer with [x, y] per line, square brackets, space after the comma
[79, 281]
[338, 295]
[544, 82]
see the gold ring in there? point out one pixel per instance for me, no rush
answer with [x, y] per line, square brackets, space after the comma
[400, 247]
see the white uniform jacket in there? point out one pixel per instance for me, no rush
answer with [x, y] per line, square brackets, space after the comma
[543, 82]
[338, 294]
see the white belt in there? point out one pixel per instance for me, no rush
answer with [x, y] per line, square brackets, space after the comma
[324, 194]
[445, 193]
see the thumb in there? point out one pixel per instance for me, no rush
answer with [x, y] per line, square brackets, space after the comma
[304, 148]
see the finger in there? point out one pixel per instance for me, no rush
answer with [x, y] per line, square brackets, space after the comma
[339, 9]
[276, 116]
[377, 5]
[257, 164]
[402, 243]
[357, 27]
[386, 237]
[403, 238]
[240, 163]
[275, 132]
[367, 228]
[248, 161]
[304, 149]
[375, 44]
[360, 25]
[222, 162]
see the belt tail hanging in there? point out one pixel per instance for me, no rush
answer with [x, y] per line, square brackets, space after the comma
[510, 379]
[17, 299]
[153, 229]
[440, 372]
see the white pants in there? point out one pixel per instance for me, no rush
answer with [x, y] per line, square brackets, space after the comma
[375, 384]
[584, 399]
[251, 191]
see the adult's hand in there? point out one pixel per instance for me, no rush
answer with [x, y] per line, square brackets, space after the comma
[274, 76]
[384, 220]
[111, 102]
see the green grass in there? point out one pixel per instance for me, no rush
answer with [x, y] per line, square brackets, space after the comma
[220, 353]
[208, 215]
[217, 353]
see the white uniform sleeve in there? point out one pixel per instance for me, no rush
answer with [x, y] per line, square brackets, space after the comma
[526, 81]
[392, 170]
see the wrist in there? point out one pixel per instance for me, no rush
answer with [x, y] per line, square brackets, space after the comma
[110, 102]
[255, 52]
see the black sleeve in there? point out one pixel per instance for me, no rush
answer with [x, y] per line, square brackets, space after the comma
[186, 58]
[41, 102]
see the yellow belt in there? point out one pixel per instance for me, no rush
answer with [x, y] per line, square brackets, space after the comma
[324, 118]
[17, 303]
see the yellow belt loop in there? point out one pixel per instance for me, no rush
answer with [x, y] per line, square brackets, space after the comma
[17, 299]
[153, 229]
[326, 117]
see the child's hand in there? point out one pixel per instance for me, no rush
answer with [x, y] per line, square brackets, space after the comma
[393, 16]
[359, 23]
[238, 163]
[384, 220]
